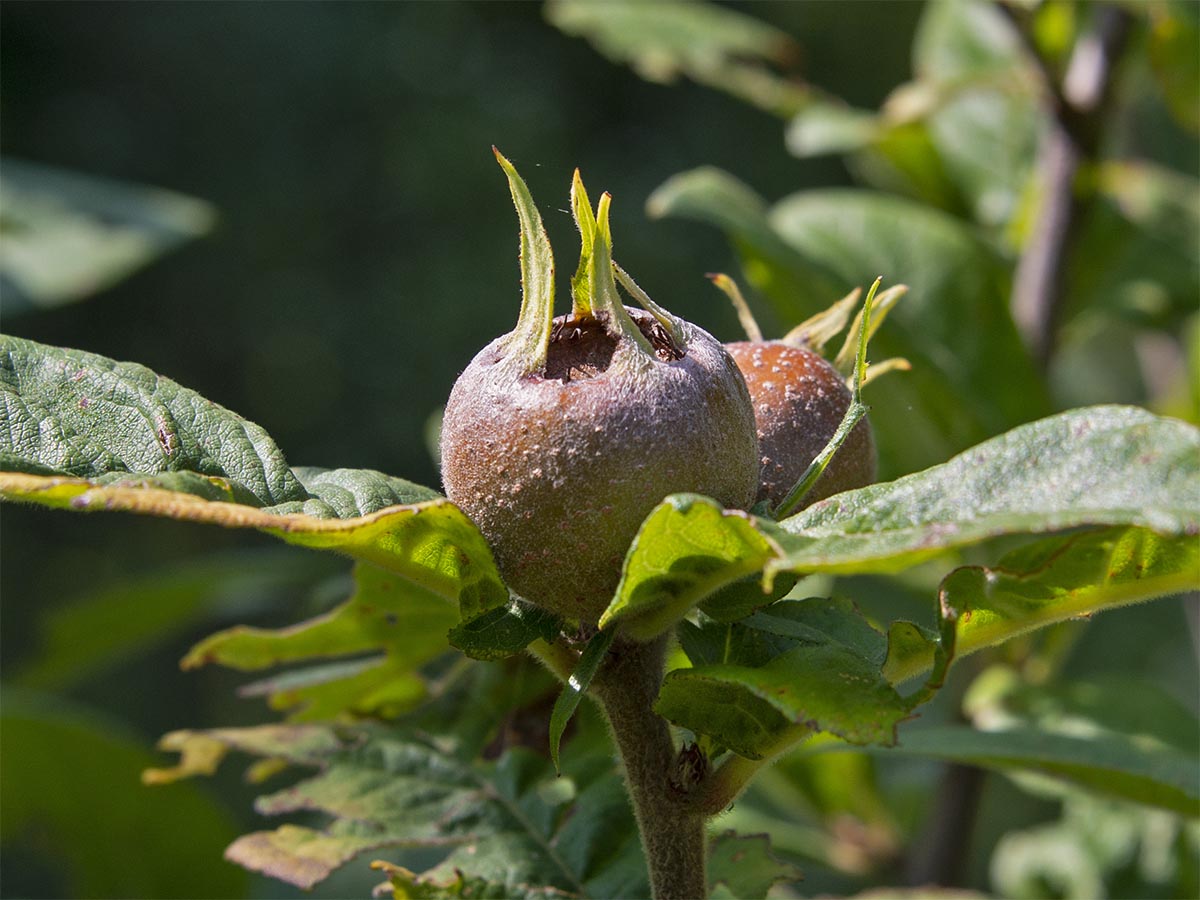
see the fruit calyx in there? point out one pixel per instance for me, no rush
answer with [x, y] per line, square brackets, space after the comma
[600, 330]
[562, 435]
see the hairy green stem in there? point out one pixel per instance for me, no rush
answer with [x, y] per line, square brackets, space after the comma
[732, 777]
[671, 826]
[556, 657]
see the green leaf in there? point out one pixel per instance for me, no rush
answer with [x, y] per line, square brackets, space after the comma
[68, 412]
[125, 618]
[1098, 847]
[1051, 580]
[712, 45]
[505, 631]
[433, 544]
[378, 686]
[686, 549]
[903, 159]
[1112, 764]
[962, 136]
[821, 128]
[745, 865]
[512, 824]
[411, 886]
[785, 275]
[953, 326]
[740, 598]
[823, 687]
[1106, 465]
[823, 676]
[986, 113]
[67, 236]
[1139, 252]
[1065, 577]
[572, 693]
[821, 619]
[347, 493]
[68, 785]
[720, 642]
[999, 698]
[406, 624]
[84, 433]
[962, 38]
[1098, 466]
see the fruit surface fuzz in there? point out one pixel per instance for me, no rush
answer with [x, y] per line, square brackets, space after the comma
[559, 467]
[799, 401]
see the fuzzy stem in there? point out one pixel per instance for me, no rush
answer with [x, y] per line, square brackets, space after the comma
[734, 775]
[556, 657]
[672, 829]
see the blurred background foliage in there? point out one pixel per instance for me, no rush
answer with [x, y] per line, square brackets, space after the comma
[342, 243]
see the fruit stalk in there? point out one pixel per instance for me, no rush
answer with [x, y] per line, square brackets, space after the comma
[671, 826]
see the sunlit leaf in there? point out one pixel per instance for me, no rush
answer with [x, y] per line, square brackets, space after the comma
[85, 433]
[960, 38]
[403, 623]
[406, 884]
[824, 675]
[1050, 580]
[713, 45]
[511, 824]
[687, 548]
[67, 412]
[67, 235]
[821, 128]
[1097, 466]
[1104, 465]
[986, 116]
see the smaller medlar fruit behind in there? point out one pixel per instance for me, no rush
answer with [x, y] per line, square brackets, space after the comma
[800, 398]
[799, 401]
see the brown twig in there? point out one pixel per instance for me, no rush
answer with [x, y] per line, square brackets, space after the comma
[944, 853]
[1078, 107]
